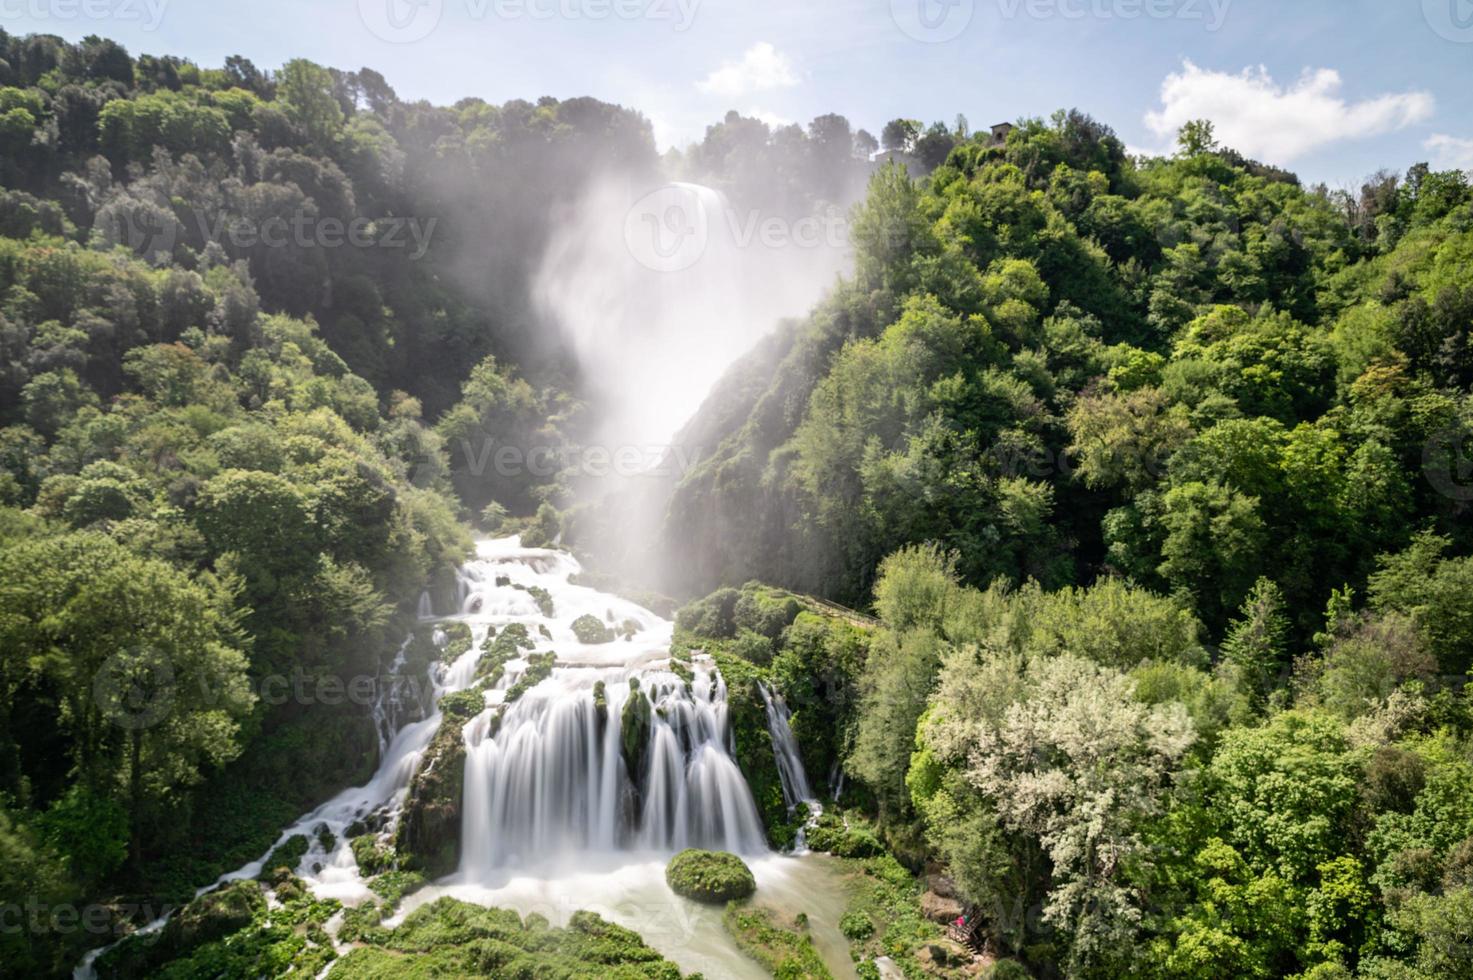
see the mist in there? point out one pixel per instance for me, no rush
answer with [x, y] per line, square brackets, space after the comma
[656, 291]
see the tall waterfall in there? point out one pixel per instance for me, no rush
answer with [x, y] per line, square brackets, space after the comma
[785, 746]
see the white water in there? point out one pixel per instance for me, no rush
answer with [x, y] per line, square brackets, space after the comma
[790, 769]
[550, 820]
[552, 779]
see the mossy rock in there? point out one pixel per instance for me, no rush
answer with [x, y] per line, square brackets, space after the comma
[372, 857]
[288, 854]
[709, 876]
[634, 731]
[429, 831]
[463, 705]
[590, 629]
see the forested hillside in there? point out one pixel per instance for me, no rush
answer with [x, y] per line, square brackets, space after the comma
[1061, 363]
[1155, 473]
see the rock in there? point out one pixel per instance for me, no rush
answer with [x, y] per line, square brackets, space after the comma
[709, 876]
[939, 908]
[429, 831]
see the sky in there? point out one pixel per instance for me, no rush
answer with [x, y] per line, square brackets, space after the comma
[1332, 89]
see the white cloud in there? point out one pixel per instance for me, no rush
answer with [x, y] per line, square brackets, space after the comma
[771, 118]
[1279, 123]
[1450, 152]
[763, 67]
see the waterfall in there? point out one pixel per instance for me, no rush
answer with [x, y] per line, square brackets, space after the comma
[785, 747]
[790, 769]
[545, 776]
[550, 775]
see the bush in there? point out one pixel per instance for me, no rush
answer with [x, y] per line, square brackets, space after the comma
[588, 629]
[712, 616]
[709, 876]
[857, 926]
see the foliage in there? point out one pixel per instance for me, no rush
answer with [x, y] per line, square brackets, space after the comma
[709, 876]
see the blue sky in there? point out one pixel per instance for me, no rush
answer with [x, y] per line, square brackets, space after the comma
[1333, 89]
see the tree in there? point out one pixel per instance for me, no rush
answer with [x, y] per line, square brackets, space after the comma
[1197, 137]
[900, 135]
[1256, 646]
[306, 90]
[1065, 753]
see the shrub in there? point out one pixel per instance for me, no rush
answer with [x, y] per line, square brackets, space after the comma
[588, 629]
[709, 876]
[856, 925]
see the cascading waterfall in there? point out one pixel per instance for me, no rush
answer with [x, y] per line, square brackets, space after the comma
[551, 775]
[785, 746]
[790, 769]
[546, 777]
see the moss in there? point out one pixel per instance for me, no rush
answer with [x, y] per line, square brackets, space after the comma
[288, 854]
[709, 876]
[634, 732]
[590, 629]
[682, 669]
[452, 938]
[463, 705]
[372, 857]
[429, 829]
[853, 840]
[600, 701]
[210, 917]
[325, 838]
[539, 668]
[458, 641]
[888, 898]
[543, 598]
[784, 952]
[392, 886]
[856, 925]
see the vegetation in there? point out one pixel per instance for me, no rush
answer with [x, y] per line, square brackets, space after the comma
[784, 952]
[1146, 476]
[1149, 471]
[709, 876]
[451, 938]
